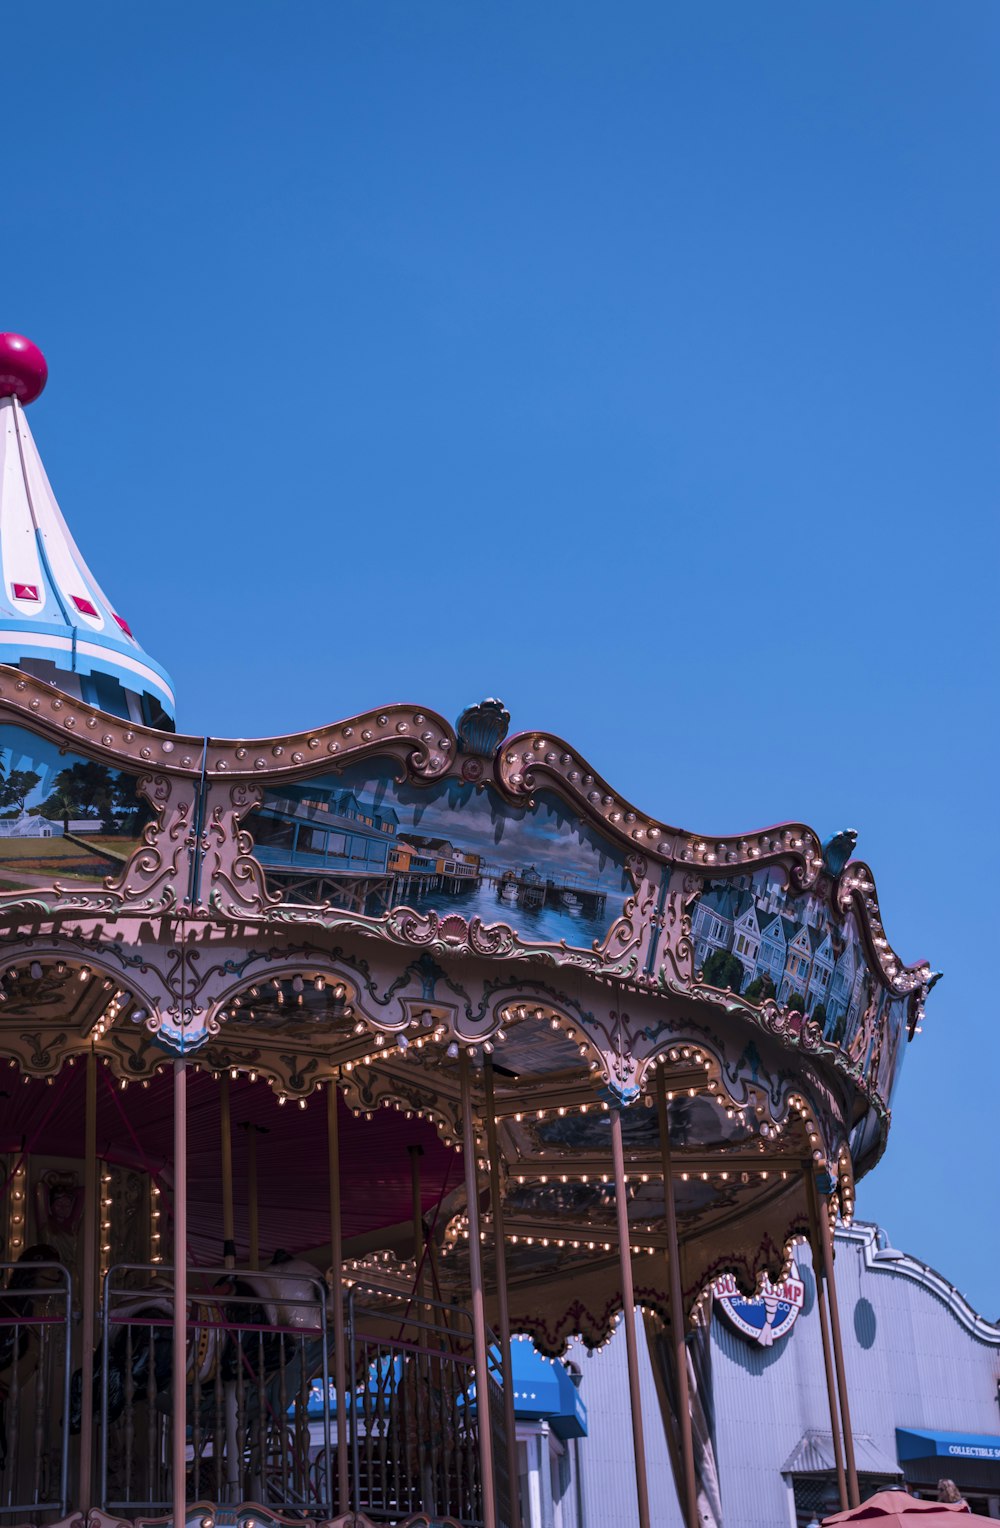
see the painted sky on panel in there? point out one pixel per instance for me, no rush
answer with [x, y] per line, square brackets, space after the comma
[636, 364]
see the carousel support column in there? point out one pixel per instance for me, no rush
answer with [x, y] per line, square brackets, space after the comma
[690, 1502]
[337, 1295]
[229, 1261]
[253, 1192]
[179, 1369]
[628, 1313]
[226, 1131]
[826, 1239]
[503, 1304]
[478, 1301]
[415, 1153]
[824, 1328]
[88, 1292]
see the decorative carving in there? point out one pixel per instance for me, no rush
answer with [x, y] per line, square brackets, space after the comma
[157, 877]
[482, 728]
[232, 882]
[856, 885]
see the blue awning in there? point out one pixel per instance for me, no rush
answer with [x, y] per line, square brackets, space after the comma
[544, 1391]
[919, 1443]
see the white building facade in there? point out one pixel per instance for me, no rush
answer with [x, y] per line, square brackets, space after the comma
[923, 1375]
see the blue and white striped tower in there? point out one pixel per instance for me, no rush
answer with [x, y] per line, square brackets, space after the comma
[56, 622]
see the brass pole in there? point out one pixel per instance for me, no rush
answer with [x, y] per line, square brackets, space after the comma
[503, 1303]
[826, 1237]
[417, 1215]
[824, 1327]
[253, 1195]
[88, 1292]
[628, 1312]
[179, 1438]
[337, 1295]
[484, 1434]
[677, 1323]
[226, 1130]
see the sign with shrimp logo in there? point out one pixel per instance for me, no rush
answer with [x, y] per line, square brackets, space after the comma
[767, 1316]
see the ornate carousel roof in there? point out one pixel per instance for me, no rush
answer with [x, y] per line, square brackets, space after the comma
[378, 903]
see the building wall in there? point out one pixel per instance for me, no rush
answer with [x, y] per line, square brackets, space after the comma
[916, 1355]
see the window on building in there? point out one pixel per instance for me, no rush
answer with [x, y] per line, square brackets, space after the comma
[272, 832]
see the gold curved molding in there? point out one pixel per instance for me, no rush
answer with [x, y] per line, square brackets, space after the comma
[531, 761]
[420, 739]
[72, 724]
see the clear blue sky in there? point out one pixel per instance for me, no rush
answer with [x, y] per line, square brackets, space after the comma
[637, 363]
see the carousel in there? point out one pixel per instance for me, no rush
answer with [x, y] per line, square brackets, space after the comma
[332, 1061]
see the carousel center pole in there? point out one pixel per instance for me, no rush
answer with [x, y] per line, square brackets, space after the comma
[503, 1305]
[682, 1388]
[179, 1438]
[628, 1313]
[337, 1295]
[824, 1330]
[88, 1293]
[226, 1131]
[826, 1238]
[485, 1436]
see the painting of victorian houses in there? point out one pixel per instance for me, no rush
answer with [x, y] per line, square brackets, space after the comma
[750, 937]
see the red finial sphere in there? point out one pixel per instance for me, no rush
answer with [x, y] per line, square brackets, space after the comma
[23, 372]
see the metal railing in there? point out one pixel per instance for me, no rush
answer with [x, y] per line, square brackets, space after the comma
[413, 1417]
[36, 1308]
[257, 1429]
[262, 1417]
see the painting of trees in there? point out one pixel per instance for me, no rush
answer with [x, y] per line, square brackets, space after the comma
[721, 969]
[90, 791]
[16, 785]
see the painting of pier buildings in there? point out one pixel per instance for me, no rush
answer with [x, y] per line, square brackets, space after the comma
[364, 842]
[751, 936]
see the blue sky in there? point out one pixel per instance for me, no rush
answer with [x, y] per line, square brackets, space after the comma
[635, 363]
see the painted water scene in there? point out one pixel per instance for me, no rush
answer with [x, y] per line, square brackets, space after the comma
[62, 817]
[364, 842]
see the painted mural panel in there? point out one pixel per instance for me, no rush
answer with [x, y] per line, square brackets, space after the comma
[63, 817]
[752, 936]
[362, 841]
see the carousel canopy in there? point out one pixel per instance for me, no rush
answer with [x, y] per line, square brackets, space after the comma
[451, 923]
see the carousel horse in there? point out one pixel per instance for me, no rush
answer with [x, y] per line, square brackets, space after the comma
[18, 1342]
[140, 1354]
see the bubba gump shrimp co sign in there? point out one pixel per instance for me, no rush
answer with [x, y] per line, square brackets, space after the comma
[767, 1316]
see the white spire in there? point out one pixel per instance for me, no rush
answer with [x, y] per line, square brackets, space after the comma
[53, 612]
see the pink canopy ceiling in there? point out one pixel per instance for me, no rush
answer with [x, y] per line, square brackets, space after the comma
[135, 1129]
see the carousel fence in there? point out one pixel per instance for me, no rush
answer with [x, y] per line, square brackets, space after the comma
[36, 1308]
[258, 1392]
[414, 1411]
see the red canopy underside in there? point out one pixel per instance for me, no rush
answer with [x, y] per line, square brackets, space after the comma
[135, 1129]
